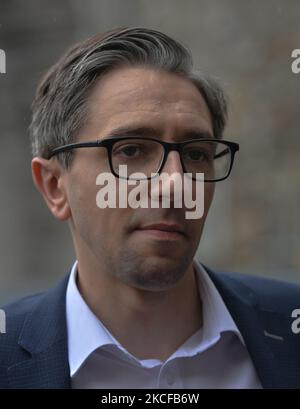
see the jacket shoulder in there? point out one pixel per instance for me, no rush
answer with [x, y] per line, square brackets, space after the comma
[35, 325]
[271, 293]
[22, 305]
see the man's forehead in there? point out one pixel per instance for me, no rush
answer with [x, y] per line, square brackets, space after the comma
[139, 89]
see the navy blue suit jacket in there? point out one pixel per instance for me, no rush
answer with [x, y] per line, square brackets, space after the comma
[34, 351]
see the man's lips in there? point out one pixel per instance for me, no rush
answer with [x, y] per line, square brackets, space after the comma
[171, 227]
[162, 230]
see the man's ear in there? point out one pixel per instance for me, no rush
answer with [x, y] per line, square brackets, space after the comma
[48, 179]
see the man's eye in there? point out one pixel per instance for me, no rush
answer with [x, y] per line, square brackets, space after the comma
[129, 151]
[196, 155]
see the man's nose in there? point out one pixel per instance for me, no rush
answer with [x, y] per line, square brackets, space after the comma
[172, 164]
[169, 188]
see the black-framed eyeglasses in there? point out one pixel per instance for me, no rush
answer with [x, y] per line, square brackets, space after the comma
[148, 156]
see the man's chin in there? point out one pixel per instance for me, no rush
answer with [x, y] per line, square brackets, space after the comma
[158, 273]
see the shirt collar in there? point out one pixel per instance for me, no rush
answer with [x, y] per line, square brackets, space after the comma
[86, 333]
[216, 316]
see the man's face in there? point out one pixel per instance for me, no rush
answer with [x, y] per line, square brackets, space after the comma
[113, 238]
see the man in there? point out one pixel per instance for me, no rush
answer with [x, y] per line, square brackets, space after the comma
[137, 309]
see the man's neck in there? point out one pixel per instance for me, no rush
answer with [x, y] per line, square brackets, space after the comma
[149, 324]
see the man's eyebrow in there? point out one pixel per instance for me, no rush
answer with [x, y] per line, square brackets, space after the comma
[150, 132]
[132, 131]
[197, 134]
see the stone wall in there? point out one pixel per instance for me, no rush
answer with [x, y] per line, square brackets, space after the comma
[254, 224]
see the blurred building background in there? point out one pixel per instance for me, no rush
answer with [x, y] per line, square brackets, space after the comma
[253, 226]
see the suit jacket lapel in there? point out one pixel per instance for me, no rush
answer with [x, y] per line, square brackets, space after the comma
[272, 346]
[48, 369]
[44, 338]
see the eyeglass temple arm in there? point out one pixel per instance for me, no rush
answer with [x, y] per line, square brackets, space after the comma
[222, 153]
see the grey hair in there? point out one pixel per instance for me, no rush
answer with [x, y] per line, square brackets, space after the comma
[60, 106]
